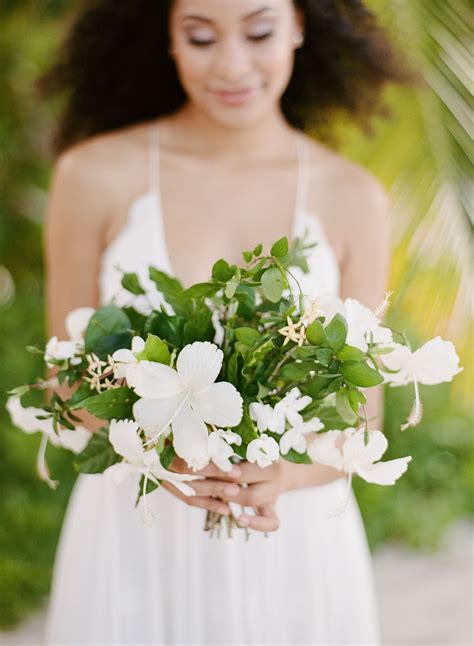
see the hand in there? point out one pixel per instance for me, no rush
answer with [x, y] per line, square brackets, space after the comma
[264, 485]
[218, 480]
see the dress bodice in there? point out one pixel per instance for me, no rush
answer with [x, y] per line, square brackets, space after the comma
[141, 242]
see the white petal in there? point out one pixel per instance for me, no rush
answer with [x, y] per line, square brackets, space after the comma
[154, 415]
[138, 344]
[155, 381]
[120, 472]
[323, 449]
[123, 356]
[302, 402]
[76, 322]
[399, 359]
[262, 414]
[384, 473]
[25, 418]
[76, 441]
[220, 404]
[123, 435]
[190, 437]
[199, 364]
[354, 449]
[436, 362]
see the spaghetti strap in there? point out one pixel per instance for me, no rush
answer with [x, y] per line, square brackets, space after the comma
[153, 159]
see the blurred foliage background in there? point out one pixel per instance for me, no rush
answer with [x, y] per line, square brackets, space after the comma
[422, 156]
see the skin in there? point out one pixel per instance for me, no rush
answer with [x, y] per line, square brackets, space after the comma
[249, 145]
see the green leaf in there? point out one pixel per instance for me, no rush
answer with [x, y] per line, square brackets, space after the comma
[324, 356]
[350, 353]
[297, 458]
[83, 392]
[155, 350]
[296, 371]
[131, 283]
[358, 373]
[200, 290]
[336, 332]
[315, 333]
[167, 456]
[258, 351]
[273, 284]
[108, 330]
[172, 291]
[232, 370]
[356, 398]
[98, 455]
[258, 250]
[231, 287]
[247, 256]
[280, 248]
[198, 326]
[222, 271]
[344, 408]
[19, 391]
[168, 328]
[248, 335]
[116, 403]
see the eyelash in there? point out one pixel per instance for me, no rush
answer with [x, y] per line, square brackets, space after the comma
[205, 43]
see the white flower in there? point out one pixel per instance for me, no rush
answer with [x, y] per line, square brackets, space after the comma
[77, 321]
[363, 326]
[356, 457]
[186, 398]
[58, 351]
[263, 450]
[124, 437]
[434, 362]
[295, 439]
[220, 450]
[262, 414]
[288, 409]
[26, 419]
[126, 360]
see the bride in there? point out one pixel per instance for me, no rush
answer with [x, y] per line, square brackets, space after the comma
[182, 140]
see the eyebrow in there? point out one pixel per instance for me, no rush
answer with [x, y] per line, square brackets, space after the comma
[247, 17]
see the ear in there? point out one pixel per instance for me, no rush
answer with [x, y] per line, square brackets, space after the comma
[299, 18]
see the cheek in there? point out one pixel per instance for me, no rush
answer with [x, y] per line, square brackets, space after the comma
[276, 65]
[193, 69]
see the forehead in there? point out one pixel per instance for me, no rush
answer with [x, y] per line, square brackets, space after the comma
[226, 11]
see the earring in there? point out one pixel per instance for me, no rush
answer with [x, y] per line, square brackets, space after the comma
[298, 39]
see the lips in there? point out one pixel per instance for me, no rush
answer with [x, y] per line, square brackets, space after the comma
[235, 96]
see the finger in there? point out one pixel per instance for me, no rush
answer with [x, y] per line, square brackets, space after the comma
[211, 487]
[203, 502]
[210, 471]
[252, 496]
[266, 520]
[252, 473]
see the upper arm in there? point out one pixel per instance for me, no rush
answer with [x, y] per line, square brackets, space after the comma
[365, 270]
[73, 238]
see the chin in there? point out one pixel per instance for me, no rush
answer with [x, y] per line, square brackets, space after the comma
[238, 116]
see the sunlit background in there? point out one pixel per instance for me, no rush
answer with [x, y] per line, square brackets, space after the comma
[421, 154]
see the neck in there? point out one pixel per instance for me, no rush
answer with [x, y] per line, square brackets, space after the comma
[258, 139]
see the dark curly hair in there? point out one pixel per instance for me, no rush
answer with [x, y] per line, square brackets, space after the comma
[115, 70]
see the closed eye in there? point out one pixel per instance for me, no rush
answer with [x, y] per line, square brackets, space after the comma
[205, 43]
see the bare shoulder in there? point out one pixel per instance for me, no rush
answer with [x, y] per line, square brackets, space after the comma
[96, 173]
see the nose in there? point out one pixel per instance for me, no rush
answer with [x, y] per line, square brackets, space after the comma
[232, 60]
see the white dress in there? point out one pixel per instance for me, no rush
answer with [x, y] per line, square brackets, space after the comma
[119, 581]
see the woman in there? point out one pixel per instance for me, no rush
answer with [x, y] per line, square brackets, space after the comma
[182, 141]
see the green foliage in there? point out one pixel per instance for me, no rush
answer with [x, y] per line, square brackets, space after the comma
[108, 330]
[98, 455]
[116, 403]
[155, 350]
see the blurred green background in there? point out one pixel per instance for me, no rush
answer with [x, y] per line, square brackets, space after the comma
[422, 156]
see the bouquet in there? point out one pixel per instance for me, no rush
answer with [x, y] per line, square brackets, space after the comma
[242, 367]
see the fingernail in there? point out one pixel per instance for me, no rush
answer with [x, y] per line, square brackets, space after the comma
[235, 472]
[231, 490]
[243, 520]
